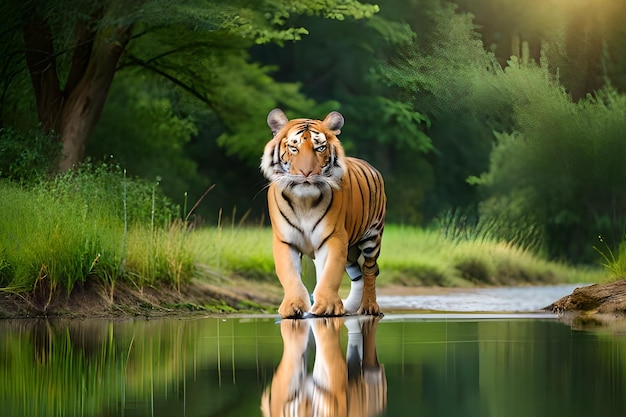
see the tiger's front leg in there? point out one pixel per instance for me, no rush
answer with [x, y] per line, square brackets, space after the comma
[329, 261]
[296, 300]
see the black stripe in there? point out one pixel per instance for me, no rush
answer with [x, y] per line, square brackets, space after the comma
[289, 221]
[369, 175]
[292, 246]
[330, 203]
[365, 219]
[287, 199]
[375, 188]
[282, 213]
[334, 159]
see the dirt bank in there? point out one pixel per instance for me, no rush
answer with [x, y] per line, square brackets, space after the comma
[92, 300]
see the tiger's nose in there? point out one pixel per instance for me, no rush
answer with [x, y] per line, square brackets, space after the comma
[306, 173]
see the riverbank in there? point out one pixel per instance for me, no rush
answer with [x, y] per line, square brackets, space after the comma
[91, 300]
[229, 295]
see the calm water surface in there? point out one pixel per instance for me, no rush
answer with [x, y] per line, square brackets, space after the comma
[402, 365]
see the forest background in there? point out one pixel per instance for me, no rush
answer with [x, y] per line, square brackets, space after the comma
[486, 117]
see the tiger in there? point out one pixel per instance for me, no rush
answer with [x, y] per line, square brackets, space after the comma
[338, 385]
[326, 206]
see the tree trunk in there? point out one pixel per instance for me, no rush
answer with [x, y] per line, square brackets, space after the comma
[85, 102]
[72, 113]
[41, 62]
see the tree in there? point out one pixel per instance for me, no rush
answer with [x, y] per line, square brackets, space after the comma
[73, 48]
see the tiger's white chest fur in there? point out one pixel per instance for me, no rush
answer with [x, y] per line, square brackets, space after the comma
[303, 223]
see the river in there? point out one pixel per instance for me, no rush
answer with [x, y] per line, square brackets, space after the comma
[482, 362]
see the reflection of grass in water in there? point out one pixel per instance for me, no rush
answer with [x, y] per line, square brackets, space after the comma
[52, 374]
[85, 368]
[214, 366]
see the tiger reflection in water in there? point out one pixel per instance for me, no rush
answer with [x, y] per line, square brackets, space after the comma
[337, 387]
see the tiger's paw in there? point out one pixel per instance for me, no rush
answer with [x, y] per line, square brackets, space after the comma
[369, 308]
[327, 305]
[294, 307]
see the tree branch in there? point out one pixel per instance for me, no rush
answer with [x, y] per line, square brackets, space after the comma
[84, 38]
[136, 61]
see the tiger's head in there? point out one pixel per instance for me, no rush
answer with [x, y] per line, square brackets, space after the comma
[304, 152]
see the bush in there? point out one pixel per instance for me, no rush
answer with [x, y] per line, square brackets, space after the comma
[563, 172]
[25, 156]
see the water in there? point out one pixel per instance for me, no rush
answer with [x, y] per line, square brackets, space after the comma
[403, 365]
[497, 299]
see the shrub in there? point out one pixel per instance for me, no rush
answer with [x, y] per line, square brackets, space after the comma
[25, 156]
[562, 171]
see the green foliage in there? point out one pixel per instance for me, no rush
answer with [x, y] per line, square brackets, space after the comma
[554, 179]
[564, 170]
[441, 73]
[259, 22]
[413, 256]
[106, 188]
[141, 130]
[25, 156]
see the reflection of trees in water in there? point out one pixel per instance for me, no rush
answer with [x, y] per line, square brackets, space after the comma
[502, 368]
[352, 386]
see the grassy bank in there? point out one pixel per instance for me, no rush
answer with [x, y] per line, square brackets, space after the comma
[93, 226]
[410, 256]
[98, 229]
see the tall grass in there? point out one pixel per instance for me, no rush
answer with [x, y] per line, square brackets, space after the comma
[91, 224]
[614, 262]
[235, 250]
[410, 256]
[413, 256]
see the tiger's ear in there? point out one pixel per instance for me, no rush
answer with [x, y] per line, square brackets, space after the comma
[334, 122]
[276, 120]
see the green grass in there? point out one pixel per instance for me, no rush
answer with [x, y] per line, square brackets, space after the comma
[95, 225]
[243, 251]
[410, 256]
[414, 256]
